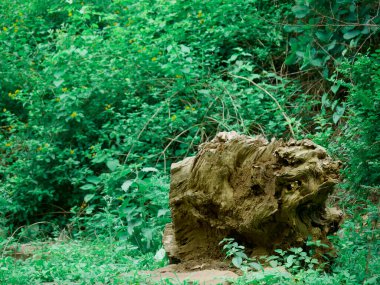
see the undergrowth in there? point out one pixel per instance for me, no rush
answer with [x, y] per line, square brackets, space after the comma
[98, 98]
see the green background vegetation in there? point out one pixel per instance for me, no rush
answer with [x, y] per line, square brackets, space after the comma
[98, 98]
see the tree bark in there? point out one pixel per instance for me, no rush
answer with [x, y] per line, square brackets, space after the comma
[266, 195]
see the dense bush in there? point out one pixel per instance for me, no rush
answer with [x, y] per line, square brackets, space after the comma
[92, 84]
[98, 98]
[362, 133]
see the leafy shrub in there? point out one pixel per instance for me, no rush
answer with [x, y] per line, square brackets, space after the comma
[95, 82]
[357, 245]
[361, 135]
[135, 210]
[326, 32]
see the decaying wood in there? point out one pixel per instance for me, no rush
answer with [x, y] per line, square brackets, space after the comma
[264, 194]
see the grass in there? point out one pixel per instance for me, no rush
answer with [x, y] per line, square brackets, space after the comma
[79, 262]
[105, 261]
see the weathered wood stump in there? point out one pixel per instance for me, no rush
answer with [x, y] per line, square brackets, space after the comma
[264, 194]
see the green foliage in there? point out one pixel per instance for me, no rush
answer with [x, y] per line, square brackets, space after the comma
[85, 262]
[362, 133]
[238, 257]
[358, 245]
[98, 98]
[324, 32]
[293, 260]
[95, 84]
[134, 210]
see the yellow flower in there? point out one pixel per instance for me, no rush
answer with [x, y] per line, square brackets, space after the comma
[17, 91]
[5, 29]
[178, 76]
[64, 89]
[73, 114]
[108, 106]
[92, 147]
[72, 151]
[174, 117]
[70, 14]
[8, 144]
[193, 109]
[199, 14]
[154, 58]
[4, 110]
[39, 148]
[187, 108]
[57, 99]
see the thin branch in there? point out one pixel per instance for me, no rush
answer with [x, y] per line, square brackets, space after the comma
[273, 98]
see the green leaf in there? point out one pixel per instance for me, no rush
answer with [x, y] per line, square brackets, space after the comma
[204, 92]
[331, 45]
[351, 34]
[160, 255]
[325, 101]
[82, 52]
[300, 11]
[58, 83]
[112, 164]
[162, 212]
[291, 59]
[256, 266]
[126, 185]
[338, 113]
[87, 187]
[273, 263]
[147, 233]
[88, 197]
[123, 235]
[289, 260]
[233, 57]
[295, 29]
[237, 261]
[185, 49]
[335, 88]
[323, 36]
[149, 169]
[93, 179]
[241, 254]
[316, 62]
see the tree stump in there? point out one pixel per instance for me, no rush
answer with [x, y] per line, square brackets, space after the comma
[266, 195]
